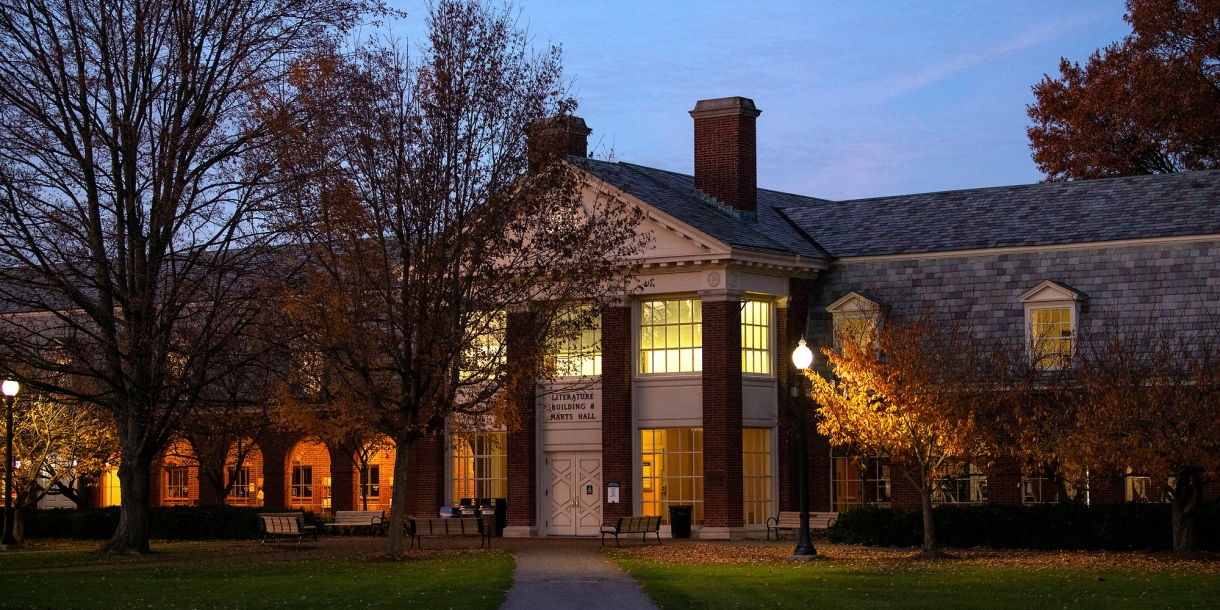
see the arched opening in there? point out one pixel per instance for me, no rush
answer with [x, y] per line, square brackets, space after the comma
[374, 473]
[308, 477]
[246, 480]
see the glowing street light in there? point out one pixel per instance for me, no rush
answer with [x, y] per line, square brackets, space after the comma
[9, 388]
[802, 359]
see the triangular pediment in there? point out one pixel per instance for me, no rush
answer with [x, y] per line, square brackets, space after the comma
[672, 239]
[854, 303]
[1047, 291]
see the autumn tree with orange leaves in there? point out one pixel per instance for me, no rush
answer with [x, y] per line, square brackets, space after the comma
[1149, 104]
[906, 390]
[1153, 405]
[441, 257]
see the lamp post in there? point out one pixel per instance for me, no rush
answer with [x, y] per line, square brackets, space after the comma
[9, 388]
[802, 358]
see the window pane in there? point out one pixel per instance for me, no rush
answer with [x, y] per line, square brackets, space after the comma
[671, 471]
[666, 329]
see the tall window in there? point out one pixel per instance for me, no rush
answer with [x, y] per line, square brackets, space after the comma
[302, 481]
[756, 475]
[177, 483]
[578, 353]
[371, 482]
[1050, 339]
[756, 337]
[486, 353]
[112, 493]
[480, 466]
[671, 336]
[671, 464]
[241, 483]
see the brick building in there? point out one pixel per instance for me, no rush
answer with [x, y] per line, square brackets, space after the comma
[689, 400]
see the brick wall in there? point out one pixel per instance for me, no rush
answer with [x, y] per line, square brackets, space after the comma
[722, 474]
[275, 447]
[522, 443]
[1004, 482]
[617, 425]
[725, 163]
[426, 479]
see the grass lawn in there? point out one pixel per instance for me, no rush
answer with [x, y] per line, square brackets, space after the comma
[871, 579]
[197, 576]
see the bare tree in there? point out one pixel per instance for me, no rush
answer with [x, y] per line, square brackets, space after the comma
[440, 262]
[130, 217]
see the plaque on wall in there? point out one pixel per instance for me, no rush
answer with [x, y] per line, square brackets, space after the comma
[713, 479]
[561, 407]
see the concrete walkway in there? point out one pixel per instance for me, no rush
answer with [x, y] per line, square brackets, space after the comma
[575, 577]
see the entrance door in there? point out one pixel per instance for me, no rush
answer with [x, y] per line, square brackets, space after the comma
[574, 494]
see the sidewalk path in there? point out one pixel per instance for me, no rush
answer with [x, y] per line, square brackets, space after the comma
[572, 578]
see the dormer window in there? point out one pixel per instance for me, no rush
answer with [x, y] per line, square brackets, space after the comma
[856, 319]
[1051, 311]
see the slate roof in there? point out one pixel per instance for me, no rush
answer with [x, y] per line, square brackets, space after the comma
[675, 195]
[1056, 213]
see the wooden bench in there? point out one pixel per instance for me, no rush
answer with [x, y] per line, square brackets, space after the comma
[372, 519]
[286, 524]
[462, 526]
[633, 525]
[791, 520]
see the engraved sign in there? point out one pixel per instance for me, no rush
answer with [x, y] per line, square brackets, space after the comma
[561, 407]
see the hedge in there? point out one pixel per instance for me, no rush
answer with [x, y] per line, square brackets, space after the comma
[168, 522]
[1070, 527]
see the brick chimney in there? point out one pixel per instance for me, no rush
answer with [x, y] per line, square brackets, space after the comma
[557, 137]
[726, 167]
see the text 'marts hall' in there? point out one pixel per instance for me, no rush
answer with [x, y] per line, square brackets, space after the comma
[691, 398]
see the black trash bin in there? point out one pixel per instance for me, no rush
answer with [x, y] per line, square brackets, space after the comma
[679, 521]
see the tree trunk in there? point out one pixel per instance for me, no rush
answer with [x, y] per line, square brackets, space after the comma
[398, 501]
[929, 527]
[1187, 496]
[18, 524]
[364, 487]
[135, 516]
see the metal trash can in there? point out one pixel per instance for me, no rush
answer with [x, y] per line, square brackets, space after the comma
[680, 518]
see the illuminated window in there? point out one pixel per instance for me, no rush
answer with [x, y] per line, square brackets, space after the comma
[302, 481]
[580, 352]
[177, 483]
[241, 483]
[1050, 323]
[371, 482]
[486, 355]
[756, 475]
[111, 490]
[671, 464]
[756, 337]
[964, 484]
[480, 466]
[855, 319]
[671, 336]
[858, 481]
[1050, 337]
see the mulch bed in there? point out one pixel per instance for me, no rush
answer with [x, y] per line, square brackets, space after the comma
[746, 553]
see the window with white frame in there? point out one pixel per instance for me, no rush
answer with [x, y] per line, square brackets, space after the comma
[480, 465]
[1050, 324]
[241, 483]
[370, 482]
[486, 353]
[856, 319]
[964, 483]
[579, 351]
[756, 475]
[177, 483]
[756, 337]
[858, 480]
[302, 482]
[671, 471]
[671, 336]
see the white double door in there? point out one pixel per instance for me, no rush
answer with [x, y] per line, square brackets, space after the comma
[574, 493]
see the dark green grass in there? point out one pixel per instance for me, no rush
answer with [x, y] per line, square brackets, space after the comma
[827, 584]
[472, 580]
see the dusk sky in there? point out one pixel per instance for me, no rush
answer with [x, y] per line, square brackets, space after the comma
[858, 99]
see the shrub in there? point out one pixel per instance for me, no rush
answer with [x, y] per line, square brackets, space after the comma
[168, 522]
[1110, 527]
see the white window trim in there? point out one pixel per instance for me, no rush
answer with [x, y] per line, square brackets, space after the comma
[853, 306]
[771, 338]
[1050, 295]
